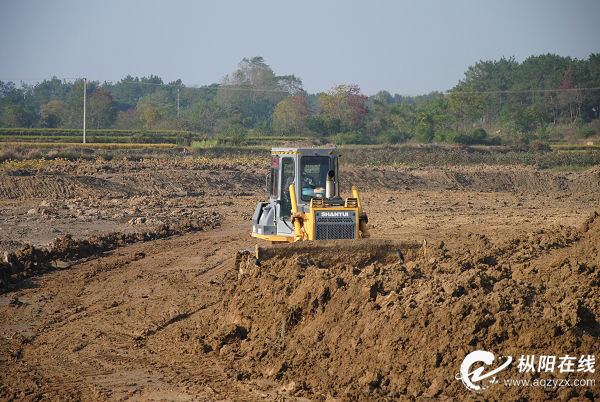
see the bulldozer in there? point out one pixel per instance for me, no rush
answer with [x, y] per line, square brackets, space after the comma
[306, 216]
[304, 199]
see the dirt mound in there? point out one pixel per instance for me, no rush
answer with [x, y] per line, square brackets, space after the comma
[126, 179]
[472, 178]
[110, 179]
[387, 328]
[88, 198]
[29, 260]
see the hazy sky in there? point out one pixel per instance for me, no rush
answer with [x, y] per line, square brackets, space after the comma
[405, 47]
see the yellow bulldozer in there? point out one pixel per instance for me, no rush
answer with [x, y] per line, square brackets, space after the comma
[305, 208]
[304, 199]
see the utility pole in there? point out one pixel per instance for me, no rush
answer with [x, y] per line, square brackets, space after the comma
[84, 96]
[177, 103]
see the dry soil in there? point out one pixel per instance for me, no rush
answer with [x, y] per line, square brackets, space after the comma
[120, 282]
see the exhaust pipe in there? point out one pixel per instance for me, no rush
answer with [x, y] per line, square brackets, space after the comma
[330, 185]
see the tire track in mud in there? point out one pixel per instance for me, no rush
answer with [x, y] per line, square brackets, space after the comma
[471, 178]
[15, 187]
[175, 180]
[130, 329]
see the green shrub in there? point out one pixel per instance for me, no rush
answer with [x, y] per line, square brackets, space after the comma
[495, 140]
[456, 137]
[479, 136]
[440, 136]
[391, 136]
[424, 132]
[263, 128]
[205, 144]
[586, 131]
[184, 139]
[352, 137]
[235, 134]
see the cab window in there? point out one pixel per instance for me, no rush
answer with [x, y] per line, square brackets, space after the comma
[314, 175]
[274, 178]
[287, 178]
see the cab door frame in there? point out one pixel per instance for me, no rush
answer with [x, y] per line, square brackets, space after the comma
[287, 164]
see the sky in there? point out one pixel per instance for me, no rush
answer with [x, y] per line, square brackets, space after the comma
[403, 47]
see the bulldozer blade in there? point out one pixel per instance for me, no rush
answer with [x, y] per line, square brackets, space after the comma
[323, 253]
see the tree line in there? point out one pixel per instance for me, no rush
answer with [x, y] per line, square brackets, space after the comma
[497, 102]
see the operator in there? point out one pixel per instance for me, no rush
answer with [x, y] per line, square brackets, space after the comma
[308, 181]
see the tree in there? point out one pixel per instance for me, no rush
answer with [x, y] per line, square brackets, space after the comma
[592, 108]
[324, 125]
[151, 84]
[253, 72]
[129, 119]
[403, 118]
[290, 84]
[559, 85]
[383, 98]
[424, 130]
[522, 120]
[291, 115]
[250, 82]
[569, 98]
[253, 90]
[191, 95]
[490, 77]
[346, 103]
[74, 102]
[150, 116]
[236, 134]
[53, 113]
[202, 116]
[378, 121]
[7, 89]
[466, 108]
[126, 93]
[49, 90]
[161, 100]
[158, 109]
[13, 106]
[101, 111]
[17, 116]
[263, 128]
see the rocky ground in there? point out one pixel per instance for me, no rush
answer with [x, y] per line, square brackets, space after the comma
[120, 281]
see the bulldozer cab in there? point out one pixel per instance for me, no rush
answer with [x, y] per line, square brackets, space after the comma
[304, 199]
[308, 170]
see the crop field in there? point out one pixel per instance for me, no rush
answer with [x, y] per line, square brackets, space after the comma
[119, 278]
[100, 137]
[557, 157]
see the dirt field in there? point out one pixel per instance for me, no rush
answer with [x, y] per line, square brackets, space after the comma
[131, 289]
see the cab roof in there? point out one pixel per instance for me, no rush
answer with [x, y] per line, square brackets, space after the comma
[306, 151]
